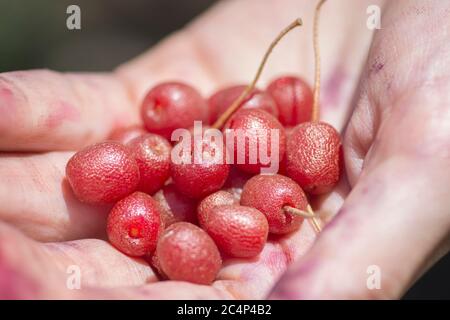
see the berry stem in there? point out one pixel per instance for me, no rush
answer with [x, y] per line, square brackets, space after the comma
[308, 214]
[235, 105]
[315, 110]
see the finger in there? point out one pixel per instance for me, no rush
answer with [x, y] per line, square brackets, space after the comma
[392, 220]
[32, 270]
[38, 200]
[45, 110]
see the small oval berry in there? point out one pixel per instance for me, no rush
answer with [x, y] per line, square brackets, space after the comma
[102, 173]
[238, 231]
[256, 127]
[294, 99]
[198, 174]
[269, 194]
[133, 225]
[152, 154]
[187, 253]
[313, 157]
[172, 105]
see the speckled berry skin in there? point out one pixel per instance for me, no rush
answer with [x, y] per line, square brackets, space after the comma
[174, 206]
[313, 157]
[133, 225]
[219, 198]
[187, 253]
[238, 231]
[222, 99]
[152, 154]
[294, 99]
[262, 122]
[172, 105]
[197, 180]
[126, 134]
[269, 194]
[102, 173]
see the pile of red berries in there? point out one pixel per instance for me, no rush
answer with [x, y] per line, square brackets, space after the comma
[185, 217]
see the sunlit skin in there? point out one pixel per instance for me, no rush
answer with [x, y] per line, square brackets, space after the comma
[396, 138]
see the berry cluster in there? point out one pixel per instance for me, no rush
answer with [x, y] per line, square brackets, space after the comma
[185, 216]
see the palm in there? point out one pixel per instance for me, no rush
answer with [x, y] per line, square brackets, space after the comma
[75, 110]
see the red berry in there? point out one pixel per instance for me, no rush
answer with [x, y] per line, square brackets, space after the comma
[313, 156]
[152, 154]
[257, 126]
[294, 99]
[222, 99]
[172, 105]
[126, 134]
[187, 253]
[238, 231]
[103, 173]
[133, 224]
[197, 175]
[215, 199]
[174, 206]
[269, 194]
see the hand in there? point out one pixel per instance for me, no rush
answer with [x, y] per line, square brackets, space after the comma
[47, 113]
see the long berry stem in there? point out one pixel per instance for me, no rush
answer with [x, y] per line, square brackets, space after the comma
[315, 111]
[235, 105]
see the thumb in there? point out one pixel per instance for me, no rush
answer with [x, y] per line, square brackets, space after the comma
[385, 235]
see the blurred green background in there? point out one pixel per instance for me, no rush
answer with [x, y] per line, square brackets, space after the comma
[33, 34]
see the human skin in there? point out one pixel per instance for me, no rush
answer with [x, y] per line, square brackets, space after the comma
[391, 208]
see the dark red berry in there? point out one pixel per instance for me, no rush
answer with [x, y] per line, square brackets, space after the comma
[134, 224]
[294, 99]
[152, 154]
[270, 194]
[174, 206]
[215, 199]
[187, 253]
[126, 134]
[103, 173]
[313, 156]
[238, 231]
[172, 105]
[256, 126]
[222, 99]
